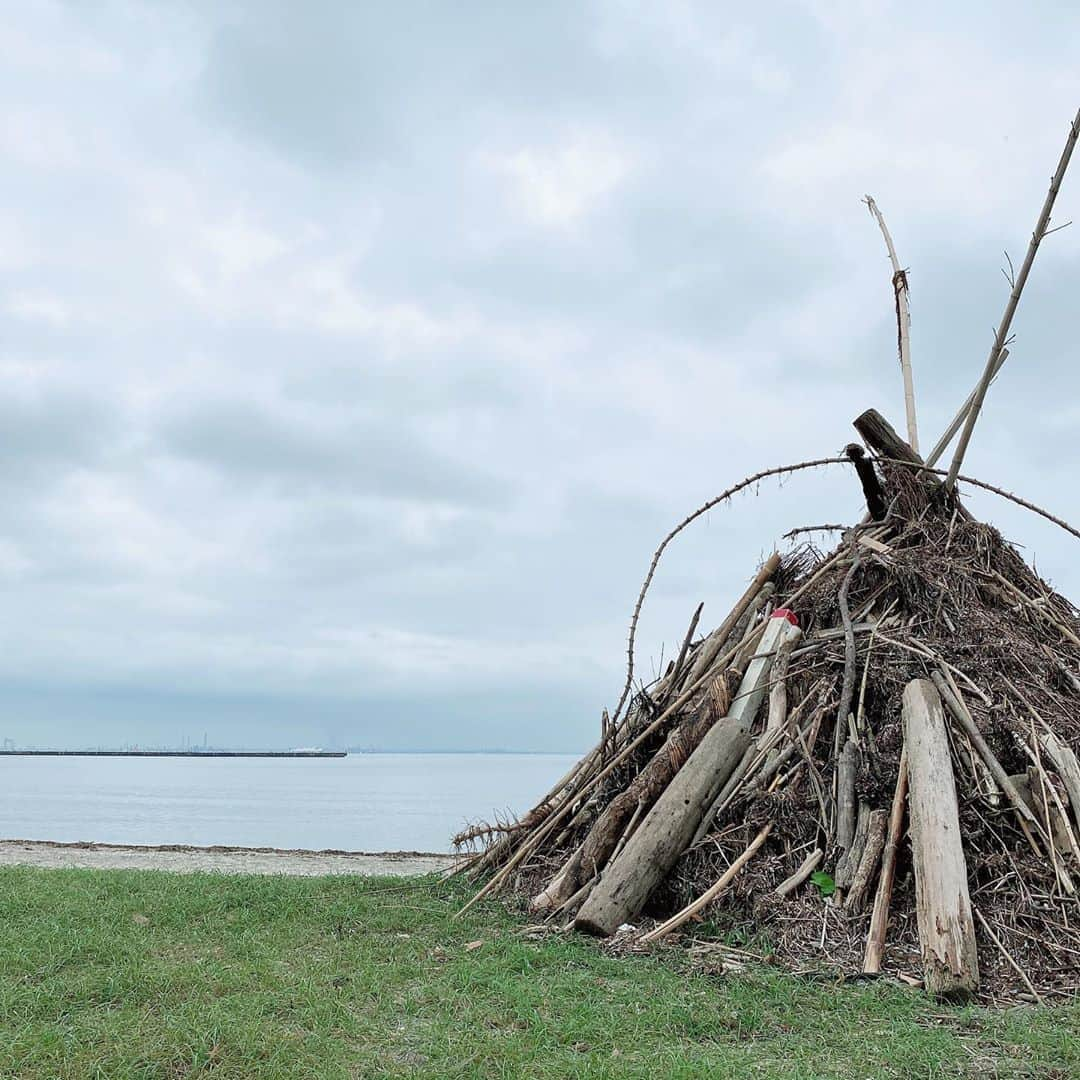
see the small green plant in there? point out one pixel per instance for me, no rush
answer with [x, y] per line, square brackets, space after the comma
[824, 883]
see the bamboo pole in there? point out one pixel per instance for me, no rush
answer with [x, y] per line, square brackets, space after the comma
[1002, 334]
[903, 325]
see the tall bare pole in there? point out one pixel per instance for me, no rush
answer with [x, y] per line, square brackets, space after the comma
[1002, 335]
[903, 325]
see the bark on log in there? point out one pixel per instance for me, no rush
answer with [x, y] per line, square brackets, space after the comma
[845, 794]
[592, 856]
[1068, 769]
[663, 835]
[879, 920]
[849, 863]
[943, 907]
[883, 439]
[871, 852]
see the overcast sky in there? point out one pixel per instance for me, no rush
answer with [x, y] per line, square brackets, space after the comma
[354, 357]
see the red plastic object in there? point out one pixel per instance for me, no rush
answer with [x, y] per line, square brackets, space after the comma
[786, 613]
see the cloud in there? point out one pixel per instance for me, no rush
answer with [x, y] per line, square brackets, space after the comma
[355, 357]
[555, 187]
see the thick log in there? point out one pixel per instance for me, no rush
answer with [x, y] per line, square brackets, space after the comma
[871, 852]
[845, 795]
[668, 828]
[943, 907]
[643, 791]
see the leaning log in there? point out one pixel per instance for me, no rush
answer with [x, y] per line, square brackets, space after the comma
[943, 907]
[604, 836]
[633, 875]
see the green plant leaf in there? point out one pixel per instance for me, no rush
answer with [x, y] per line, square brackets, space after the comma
[823, 882]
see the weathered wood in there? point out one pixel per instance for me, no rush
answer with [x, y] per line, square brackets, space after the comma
[1051, 818]
[959, 712]
[712, 892]
[806, 868]
[883, 439]
[663, 835]
[849, 862]
[903, 324]
[1068, 769]
[845, 794]
[710, 649]
[871, 852]
[876, 505]
[942, 905]
[591, 858]
[879, 920]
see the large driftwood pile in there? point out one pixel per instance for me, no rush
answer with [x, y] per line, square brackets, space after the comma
[867, 765]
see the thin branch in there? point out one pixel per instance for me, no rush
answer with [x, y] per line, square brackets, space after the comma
[958, 419]
[784, 470]
[903, 325]
[1010, 307]
[994, 490]
[781, 470]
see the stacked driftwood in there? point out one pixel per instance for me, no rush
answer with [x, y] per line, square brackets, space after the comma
[869, 763]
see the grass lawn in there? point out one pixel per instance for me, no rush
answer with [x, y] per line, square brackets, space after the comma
[134, 974]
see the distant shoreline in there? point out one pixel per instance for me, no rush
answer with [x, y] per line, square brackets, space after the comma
[179, 753]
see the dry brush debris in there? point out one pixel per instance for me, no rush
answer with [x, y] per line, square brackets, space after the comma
[870, 764]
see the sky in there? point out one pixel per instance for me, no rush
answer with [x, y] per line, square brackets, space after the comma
[355, 357]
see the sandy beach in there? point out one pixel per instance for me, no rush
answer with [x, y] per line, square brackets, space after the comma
[226, 860]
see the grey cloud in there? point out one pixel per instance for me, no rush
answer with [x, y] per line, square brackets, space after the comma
[361, 454]
[333, 431]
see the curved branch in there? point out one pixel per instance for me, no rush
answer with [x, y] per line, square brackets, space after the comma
[1061, 524]
[780, 470]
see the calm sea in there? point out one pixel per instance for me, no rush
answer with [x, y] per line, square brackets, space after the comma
[364, 802]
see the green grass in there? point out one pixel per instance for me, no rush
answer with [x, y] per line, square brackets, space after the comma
[133, 974]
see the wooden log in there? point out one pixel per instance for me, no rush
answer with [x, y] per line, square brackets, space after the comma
[710, 649]
[879, 920]
[1068, 769]
[942, 905]
[663, 835]
[591, 858]
[876, 504]
[883, 439]
[871, 852]
[845, 794]
[1052, 819]
[959, 712]
[778, 695]
[849, 862]
[806, 868]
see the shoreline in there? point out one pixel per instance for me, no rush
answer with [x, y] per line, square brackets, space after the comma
[190, 859]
